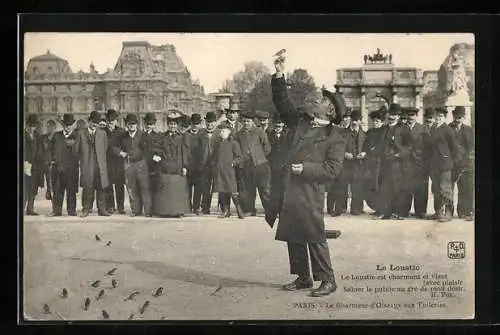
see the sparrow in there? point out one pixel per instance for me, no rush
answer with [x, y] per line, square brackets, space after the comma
[105, 314]
[158, 292]
[217, 290]
[111, 272]
[87, 303]
[46, 309]
[280, 53]
[143, 308]
[162, 318]
[97, 238]
[113, 283]
[100, 295]
[96, 283]
[131, 296]
[131, 316]
[64, 293]
[108, 244]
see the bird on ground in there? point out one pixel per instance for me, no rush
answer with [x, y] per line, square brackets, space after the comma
[158, 292]
[100, 295]
[96, 283]
[64, 293]
[143, 308]
[108, 244]
[114, 283]
[86, 304]
[105, 314]
[111, 272]
[46, 309]
[131, 296]
[97, 238]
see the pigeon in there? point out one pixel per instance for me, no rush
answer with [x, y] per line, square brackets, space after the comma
[64, 293]
[158, 292]
[96, 283]
[46, 309]
[108, 244]
[97, 238]
[113, 283]
[143, 308]
[100, 295]
[131, 296]
[87, 303]
[162, 318]
[280, 53]
[105, 314]
[111, 272]
[131, 316]
[217, 290]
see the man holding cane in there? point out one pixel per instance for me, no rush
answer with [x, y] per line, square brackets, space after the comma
[312, 158]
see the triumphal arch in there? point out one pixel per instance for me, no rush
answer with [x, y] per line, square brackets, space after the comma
[379, 82]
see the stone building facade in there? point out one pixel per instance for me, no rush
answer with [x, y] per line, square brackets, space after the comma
[145, 78]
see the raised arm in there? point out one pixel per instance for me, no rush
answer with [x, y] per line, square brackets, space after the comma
[285, 107]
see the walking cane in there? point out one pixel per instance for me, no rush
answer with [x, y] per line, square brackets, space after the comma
[127, 182]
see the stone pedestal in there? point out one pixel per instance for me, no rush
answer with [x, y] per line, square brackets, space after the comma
[460, 99]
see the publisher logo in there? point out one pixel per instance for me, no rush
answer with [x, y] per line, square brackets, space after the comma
[456, 250]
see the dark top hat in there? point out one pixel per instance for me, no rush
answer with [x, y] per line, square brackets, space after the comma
[234, 107]
[262, 114]
[411, 111]
[395, 109]
[459, 111]
[196, 118]
[210, 117]
[94, 117]
[68, 119]
[131, 119]
[377, 115]
[111, 115]
[356, 115]
[150, 118]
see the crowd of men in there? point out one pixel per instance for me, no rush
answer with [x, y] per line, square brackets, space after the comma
[388, 167]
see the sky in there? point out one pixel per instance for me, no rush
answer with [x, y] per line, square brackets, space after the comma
[213, 58]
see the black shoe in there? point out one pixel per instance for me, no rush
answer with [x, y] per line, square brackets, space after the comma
[149, 215]
[206, 212]
[299, 284]
[48, 196]
[382, 217]
[335, 214]
[111, 210]
[72, 213]
[197, 212]
[332, 234]
[397, 217]
[326, 288]
[420, 216]
[84, 213]
[103, 214]
[469, 217]
[31, 213]
[54, 214]
[122, 211]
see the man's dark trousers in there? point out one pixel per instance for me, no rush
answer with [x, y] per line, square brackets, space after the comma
[320, 260]
[137, 179]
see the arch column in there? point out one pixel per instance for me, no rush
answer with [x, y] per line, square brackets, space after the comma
[364, 111]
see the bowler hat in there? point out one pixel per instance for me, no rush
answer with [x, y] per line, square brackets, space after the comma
[395, 109]
[247, 115]
[411, 110]
[196, 118]
[338, 102]
[441, 110]
[459, 111]
[376, 115]
[356, 115]
[150, 118]
[174, 115]
[111, 115]
[131, 119]
[210, 117]
[94, 117]
[429, 113]
[68, 119]
[348, 112]
[262, 114]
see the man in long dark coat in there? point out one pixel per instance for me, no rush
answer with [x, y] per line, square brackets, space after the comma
[91, 146]
[205, 148]
[193, 173]
[47, 148]
[443, 156]
[277, 139]
[33, 163]
[463, 172]
[116, 172]
[313, 158]
[395, 152]
[418, 189]
[65, 168]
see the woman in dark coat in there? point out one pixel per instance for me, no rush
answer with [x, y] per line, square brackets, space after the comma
[226, 157]
[313, 157]
[171, 197]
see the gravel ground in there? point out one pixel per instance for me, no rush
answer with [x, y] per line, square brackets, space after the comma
[231, 269]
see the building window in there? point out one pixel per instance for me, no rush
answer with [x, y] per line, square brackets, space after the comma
[68, 102]
[53, 104]
[39, 104]
[26, 105]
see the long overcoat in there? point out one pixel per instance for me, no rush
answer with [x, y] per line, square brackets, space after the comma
[322, 154]
[225, 159]
[82, 149]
